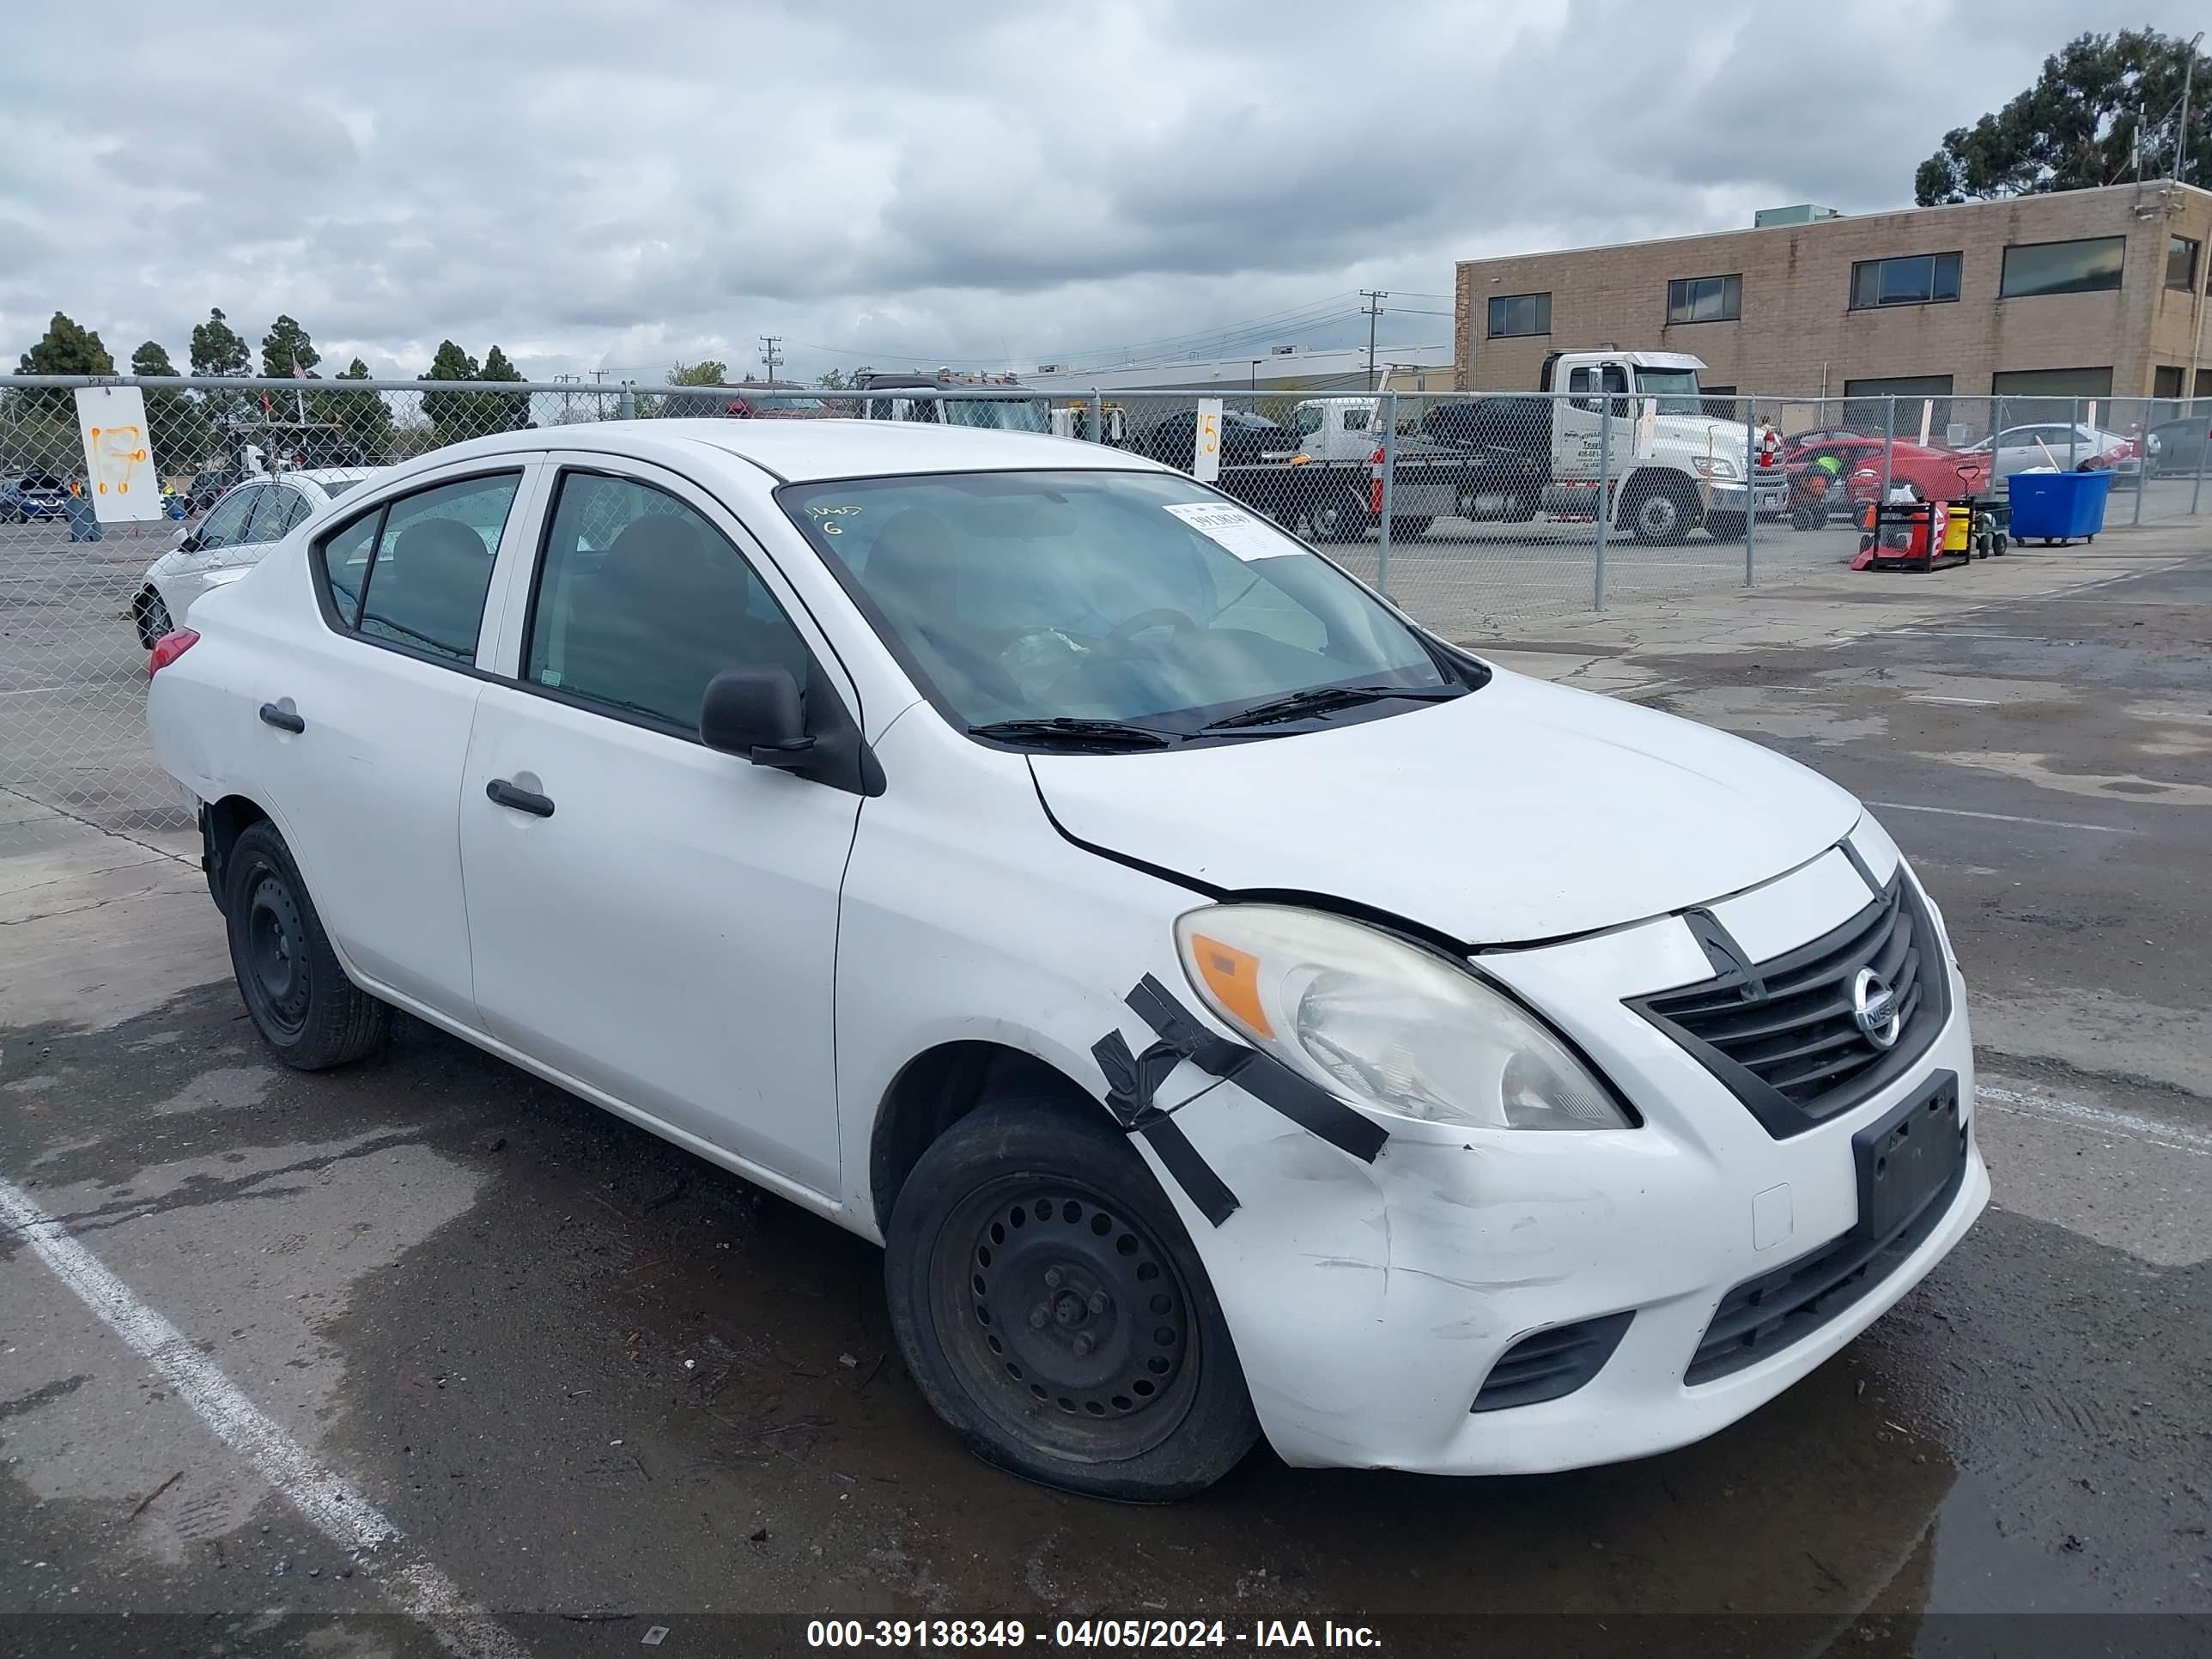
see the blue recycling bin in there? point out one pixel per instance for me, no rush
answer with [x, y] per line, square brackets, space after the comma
[2058, 506]
[83, 523]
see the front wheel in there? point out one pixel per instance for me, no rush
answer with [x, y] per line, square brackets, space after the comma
[297, 992]
[1051, 1310]
[152, 616]
[1660, 513]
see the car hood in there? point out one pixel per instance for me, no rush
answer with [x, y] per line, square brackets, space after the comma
[1524, 811]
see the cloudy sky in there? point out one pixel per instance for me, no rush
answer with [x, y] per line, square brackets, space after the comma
[618, 185]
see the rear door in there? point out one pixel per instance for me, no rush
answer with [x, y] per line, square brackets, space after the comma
[654, 918]
[364, 727]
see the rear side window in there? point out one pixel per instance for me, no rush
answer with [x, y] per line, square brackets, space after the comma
[414, 573]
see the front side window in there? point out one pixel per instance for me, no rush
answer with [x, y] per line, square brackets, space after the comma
[2082, 267]
[414, 571]
[1913, 279]
[639, 601]
[1513, 314]
[225, 524]
[1704, 299]
[1101, 596]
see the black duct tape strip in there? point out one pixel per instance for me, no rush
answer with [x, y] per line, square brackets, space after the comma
[1131, 1080]
[1261, 1076]
[1859, 864]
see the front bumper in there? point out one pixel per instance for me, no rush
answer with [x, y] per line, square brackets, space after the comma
[1729, 497]
[1369, 1304]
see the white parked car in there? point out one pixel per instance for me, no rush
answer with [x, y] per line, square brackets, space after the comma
[2055, 443]
[245, 520]
[1236, 1010]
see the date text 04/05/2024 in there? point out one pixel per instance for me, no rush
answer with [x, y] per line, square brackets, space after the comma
[1162, 1633]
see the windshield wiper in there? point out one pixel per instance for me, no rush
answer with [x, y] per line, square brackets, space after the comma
[1325, 699]
[1071, 732]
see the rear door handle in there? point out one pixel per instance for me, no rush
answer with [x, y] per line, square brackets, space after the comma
[282, 719]
[503, 793]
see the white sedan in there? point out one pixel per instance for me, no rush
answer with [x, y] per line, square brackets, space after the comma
[2056, 444]
[1237, 1010]
[245, 520]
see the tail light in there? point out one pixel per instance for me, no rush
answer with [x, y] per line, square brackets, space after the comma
[168, 648]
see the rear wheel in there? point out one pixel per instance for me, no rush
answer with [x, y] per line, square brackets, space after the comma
[302, 1001]
[152, 616]
[1051, 1309]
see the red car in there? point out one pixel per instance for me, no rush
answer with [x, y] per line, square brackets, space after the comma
[1936, 474]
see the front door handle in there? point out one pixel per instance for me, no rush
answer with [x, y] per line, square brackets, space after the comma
[503, 793]
[282, 719]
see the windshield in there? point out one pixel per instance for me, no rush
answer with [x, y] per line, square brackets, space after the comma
[1005, 414]
[1083, 595]
[1676, 389]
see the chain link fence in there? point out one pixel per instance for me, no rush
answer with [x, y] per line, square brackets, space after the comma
[1476, 513]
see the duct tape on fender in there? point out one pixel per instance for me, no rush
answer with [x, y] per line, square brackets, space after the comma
[1133, 1079]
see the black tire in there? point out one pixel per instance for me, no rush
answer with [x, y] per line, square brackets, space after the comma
[1050, 1306]
[1724, 526]
[152, 616]
[302, 1001]
[1660, 513]
[1338, 515]
[1408, 527]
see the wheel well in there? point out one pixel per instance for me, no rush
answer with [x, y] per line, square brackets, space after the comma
[227, 820]
[938, 1087]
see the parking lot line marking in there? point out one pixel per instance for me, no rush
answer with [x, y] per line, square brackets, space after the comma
[2101, 1119]
[324, 1498]
[1978, 703]
[1999, 818]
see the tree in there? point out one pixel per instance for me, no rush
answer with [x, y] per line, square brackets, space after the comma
[179, 426]
[452, 415]
[833, 378]
[285, 347]
[707, 372]
[2101, 102]
[68, 349]
[507, 411]
[364, 417]
[217, 350]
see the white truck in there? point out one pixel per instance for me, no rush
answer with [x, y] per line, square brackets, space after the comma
[1671, 466]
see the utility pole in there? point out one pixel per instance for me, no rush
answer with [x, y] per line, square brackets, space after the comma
[1371, 310]
[768, 344]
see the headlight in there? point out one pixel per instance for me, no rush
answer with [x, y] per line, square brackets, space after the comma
[1714, 466]
[1385, 1024]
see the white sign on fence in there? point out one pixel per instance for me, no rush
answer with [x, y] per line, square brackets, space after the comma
[119, 454]
[1206, 434]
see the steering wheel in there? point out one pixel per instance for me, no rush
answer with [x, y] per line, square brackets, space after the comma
[1160, 617]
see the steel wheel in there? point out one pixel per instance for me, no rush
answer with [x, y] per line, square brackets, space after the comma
[276, 955]
[1065, 1320]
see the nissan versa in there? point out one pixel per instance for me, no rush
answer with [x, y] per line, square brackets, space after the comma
[1237, 1010]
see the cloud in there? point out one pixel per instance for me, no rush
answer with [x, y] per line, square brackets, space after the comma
[616, 184]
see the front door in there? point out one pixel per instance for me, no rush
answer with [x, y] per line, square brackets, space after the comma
[653, 917]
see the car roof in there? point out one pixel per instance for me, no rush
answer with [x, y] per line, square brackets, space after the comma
[805, 451]
[330, 475]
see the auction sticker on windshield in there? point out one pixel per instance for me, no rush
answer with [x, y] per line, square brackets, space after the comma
[1234, 528]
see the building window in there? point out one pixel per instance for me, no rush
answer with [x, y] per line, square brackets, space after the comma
[2181, 262]
[1704, 299]
[1867, 403]
[2166, 380]
[1914, 279]
[1512, 314]
[2084, 267]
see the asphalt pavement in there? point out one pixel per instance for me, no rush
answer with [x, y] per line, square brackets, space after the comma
[427, 1356]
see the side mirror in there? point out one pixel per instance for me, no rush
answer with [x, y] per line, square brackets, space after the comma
[191, 543]
[756, 713]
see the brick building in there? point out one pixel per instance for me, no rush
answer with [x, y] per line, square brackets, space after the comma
[2083, 293]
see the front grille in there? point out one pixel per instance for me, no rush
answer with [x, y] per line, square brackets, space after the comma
[1551, 1363]
[1764, 1316]
[1782, 1035]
